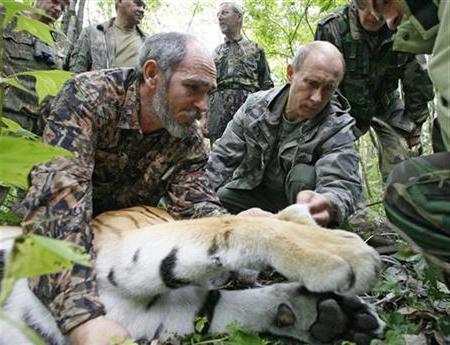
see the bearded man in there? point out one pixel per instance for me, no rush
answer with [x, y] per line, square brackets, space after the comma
[135, 140]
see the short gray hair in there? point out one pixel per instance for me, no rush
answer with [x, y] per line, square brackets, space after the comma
[168, 49]
[234, 6]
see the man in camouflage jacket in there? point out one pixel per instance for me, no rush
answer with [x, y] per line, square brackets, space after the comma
[98, 47]
[417, 198]
[241, 69]
[135, 140]
[371, 80]
[23, 52]
[292, 144]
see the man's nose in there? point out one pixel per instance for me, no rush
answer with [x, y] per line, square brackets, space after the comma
[316, 96]
[393, 21]
[202, 103]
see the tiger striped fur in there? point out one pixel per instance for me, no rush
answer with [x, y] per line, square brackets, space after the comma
[156, 274]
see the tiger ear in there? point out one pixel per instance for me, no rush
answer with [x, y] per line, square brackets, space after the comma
[285, 316]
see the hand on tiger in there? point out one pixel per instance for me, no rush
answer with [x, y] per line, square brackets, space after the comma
[319, 206]
[98, 331]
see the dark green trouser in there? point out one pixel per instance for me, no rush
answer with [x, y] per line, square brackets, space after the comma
[436, 137]
[417, 202]
[392, 147]
[300, 177]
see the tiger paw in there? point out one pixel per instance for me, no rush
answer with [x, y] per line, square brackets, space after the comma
[326, 260]
[326, 318]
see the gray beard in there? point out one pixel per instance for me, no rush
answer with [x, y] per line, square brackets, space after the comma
[161, 110]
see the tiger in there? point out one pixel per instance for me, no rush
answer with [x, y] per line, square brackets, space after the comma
[155, 275]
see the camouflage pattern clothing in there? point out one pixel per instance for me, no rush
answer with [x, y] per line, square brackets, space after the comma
[243, 156]
[23, 52]
[417, 199]
[242, 69]
[427, 31]
[372, 75]
[95, 48]
[96, 116]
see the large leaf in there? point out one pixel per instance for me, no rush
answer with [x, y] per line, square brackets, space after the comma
[35, 255]
[19, 155]
[36, 28]
[14, 128]
[48, 83]
[13, 81]
[12, 7]
[33, 26]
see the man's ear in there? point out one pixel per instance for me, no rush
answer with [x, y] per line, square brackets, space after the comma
[150, 73]
[290, 72]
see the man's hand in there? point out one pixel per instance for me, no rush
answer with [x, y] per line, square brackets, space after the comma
[319, 206]
[255, 212]
[98, 331]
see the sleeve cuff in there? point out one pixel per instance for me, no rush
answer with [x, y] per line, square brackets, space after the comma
[76, 306]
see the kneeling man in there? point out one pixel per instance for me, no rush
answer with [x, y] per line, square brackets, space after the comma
[292, 144]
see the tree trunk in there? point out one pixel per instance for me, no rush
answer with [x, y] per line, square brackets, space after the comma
[80, 17]
[72, 24]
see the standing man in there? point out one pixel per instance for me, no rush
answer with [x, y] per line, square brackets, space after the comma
[417, 198]
[371, 82]
[23, 52]
[292, 144]
[241, 69]
[114, 43]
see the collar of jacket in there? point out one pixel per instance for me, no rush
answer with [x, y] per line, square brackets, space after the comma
[129, 111]
[418, 30]
[237, 40]
[105, 26]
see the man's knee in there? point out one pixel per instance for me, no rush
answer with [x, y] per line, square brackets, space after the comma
[234, 200]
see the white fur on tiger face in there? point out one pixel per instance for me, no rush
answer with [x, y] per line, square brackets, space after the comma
[155, 275]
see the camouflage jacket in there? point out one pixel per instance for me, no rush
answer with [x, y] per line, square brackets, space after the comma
[95, 116]
[95, 48]
[373, 71]
[327, 142]
[23, 52]
[427, 30]
[242, 64]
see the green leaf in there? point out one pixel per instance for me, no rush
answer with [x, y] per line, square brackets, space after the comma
[239, 336]
[8, 217]
[48, 83]
[15, 128]
[36, 28]
[116, 340]
[25, 23]
[11, 9]
[199, 323]
[35, 255]
[19, 155]
[15, 83]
